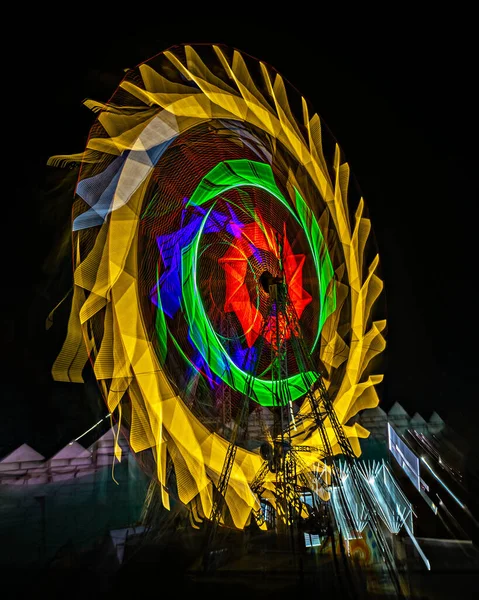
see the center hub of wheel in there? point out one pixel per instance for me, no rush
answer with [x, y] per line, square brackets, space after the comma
[266, 280]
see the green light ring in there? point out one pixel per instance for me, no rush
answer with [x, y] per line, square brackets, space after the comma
[204, 337]
[233, 173]
[322, 262]
[223, 177]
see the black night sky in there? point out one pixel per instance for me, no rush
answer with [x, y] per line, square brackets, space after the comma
[399, 98]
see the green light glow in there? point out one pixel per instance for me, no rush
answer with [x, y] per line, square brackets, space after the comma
[160, 324]
[225, 176]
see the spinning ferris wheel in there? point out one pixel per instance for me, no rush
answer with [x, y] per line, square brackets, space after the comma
[224, 279]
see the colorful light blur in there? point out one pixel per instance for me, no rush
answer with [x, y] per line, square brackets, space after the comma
[192, 172]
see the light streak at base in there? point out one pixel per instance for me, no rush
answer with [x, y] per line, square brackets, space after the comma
[415, 542]
[452, 519]
[443, 484]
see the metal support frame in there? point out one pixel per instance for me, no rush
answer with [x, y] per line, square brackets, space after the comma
[284, 458]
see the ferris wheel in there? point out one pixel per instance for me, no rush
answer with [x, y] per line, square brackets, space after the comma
[224, 281]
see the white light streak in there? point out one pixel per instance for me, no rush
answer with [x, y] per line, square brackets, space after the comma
[443, 484]
[88, 430]
[414, 541]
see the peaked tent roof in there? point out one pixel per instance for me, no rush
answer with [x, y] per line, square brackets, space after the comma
[397, 410]
[72, 450]
[435, 418]
[23, 454]
[109, 437]
[417, 419]
[374, 413]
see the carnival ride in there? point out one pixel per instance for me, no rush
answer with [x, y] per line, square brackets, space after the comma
[224, 281]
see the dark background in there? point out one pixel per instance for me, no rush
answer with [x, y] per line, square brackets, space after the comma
[398, 93]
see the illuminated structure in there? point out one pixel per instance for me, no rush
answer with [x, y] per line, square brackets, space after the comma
[224, 280]
[197, 185]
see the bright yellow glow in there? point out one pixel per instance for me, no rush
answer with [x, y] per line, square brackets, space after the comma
[106, 276]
